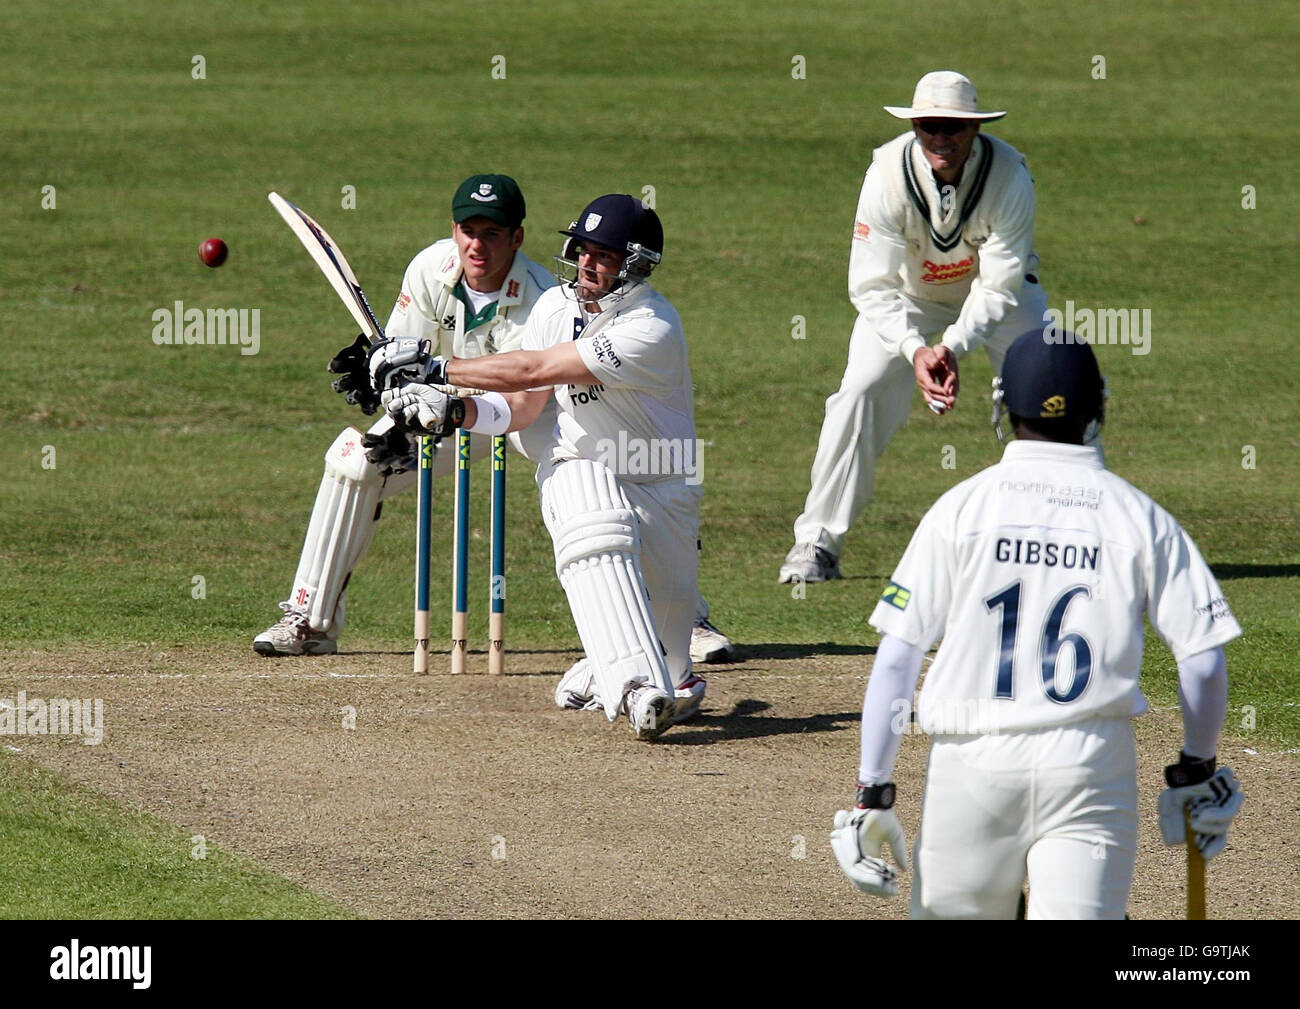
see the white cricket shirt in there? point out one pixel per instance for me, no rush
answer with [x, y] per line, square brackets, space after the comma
[1036, 573]
[639, 420]
[461, 330]
[915, 244]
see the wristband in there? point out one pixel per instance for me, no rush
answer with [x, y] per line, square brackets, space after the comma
[876, 796]
[493, 414]
[1189, 771]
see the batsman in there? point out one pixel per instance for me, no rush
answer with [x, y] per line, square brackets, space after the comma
[609, 351]
[467, 295]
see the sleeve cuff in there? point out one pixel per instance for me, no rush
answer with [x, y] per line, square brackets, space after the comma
[910, 346]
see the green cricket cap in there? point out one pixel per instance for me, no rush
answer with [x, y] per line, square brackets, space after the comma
[496, 197]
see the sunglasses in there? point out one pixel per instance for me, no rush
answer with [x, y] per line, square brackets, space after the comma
[946, 127]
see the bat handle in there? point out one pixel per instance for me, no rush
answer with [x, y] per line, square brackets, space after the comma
[1195, 874]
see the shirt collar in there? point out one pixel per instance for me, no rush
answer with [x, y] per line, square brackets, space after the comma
[1053, 452]
[512, 291]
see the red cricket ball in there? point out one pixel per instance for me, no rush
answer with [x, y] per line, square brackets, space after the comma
[213, 252]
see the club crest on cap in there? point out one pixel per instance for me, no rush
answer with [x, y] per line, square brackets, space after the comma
[592, 222]
[1054, 406]
[484, 194]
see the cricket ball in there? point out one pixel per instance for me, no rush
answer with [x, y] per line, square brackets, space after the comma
[213, 252]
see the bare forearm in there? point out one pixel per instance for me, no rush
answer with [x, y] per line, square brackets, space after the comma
[510, 372]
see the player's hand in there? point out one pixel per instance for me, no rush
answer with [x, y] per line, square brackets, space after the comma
[424, 409]
[354, 381]
[936, 377]
[394, 451]
[1210, 805]
[398, 362]
[856, 841]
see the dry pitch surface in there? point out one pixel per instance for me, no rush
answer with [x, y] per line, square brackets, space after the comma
[475, 796]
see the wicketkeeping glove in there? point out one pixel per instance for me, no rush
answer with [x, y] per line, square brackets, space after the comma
[1210, 803]
[856, 841]
[424, 409]
[350, 363]
[399, 362]
[394, 451]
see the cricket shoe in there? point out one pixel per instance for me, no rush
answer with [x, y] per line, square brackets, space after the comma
[292, 635]
[576, 690]
[687, 698]
[650, 711]
[807, 562]
[708, 644]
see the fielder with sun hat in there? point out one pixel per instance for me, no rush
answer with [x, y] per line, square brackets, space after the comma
[1037, 573]
[942, 246]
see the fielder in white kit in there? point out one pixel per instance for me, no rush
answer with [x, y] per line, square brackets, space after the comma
[1036, 573]
[619, 489]
[468, 295]
[942, 244]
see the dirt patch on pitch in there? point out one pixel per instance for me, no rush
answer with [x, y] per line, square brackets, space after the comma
[475, 796]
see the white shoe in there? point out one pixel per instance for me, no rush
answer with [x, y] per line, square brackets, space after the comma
[687, 699]
[576, 690]
[292, 635]
[650, 711]
[808, 563]
[708, 644]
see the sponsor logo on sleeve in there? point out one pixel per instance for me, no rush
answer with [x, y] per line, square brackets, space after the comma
[403, 300]
[605, 351]
[1217, 609]
[861, 230]
[896, 596]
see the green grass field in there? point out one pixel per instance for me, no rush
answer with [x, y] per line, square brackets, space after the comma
[73, 854]
[176, 462]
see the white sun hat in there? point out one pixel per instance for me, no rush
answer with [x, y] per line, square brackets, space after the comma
[943, 94]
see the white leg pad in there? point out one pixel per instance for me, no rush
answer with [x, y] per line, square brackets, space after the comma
[597, 558]
[338, 535]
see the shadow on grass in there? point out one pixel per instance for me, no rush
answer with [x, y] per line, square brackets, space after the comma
[746, 721]
[747, 653]
[1226, 572]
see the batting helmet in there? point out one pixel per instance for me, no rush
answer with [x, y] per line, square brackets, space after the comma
[1049, 376]
[622, 223]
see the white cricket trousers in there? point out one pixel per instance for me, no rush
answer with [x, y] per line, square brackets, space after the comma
[872, 402]
[668, 525]
[1056, 807]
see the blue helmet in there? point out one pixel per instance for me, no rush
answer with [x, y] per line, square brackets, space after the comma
[1049, 375]
[622, 223]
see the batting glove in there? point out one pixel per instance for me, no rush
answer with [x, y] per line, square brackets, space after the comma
[1210, 805]
[424, 409]
[857, 840]
[399, 362]
[354, 383]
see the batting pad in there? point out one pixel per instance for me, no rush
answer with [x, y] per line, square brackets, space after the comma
[597, 558]
[342, 522]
